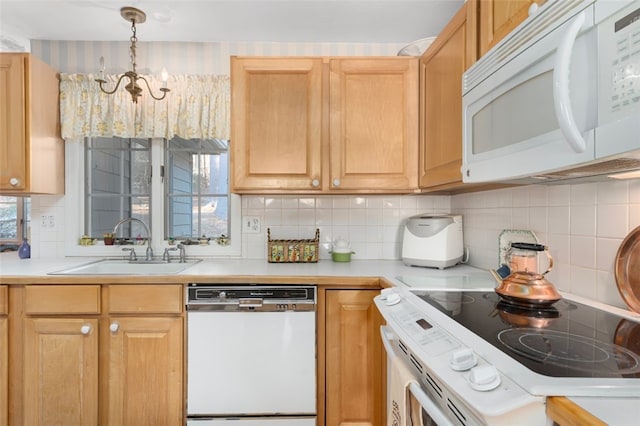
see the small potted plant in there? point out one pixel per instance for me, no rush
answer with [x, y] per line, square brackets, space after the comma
[108, 238]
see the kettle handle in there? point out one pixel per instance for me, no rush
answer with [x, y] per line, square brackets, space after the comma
[550, 267]
[529, 246]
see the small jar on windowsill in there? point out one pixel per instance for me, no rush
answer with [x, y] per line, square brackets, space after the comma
[108, 238]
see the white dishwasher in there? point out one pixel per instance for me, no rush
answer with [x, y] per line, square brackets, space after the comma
[251, 355]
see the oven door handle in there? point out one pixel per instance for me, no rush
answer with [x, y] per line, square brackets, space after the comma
[429, 406]
[426, 403]
[387, 335]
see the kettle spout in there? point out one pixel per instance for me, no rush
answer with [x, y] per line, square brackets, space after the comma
[500, 274]
[496, 276]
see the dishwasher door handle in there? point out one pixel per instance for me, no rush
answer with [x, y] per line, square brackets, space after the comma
[250, 303]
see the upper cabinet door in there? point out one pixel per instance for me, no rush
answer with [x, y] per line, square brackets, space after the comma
[31, 149]
[13, 166]
[498, 18]
[276, 131]
[373, 123]
[441, 69]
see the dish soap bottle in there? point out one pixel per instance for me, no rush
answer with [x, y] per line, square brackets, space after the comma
[24, 251]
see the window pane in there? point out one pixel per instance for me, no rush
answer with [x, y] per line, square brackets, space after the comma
[118, 175]
[214, 213]
[197, 188]
[8, 218]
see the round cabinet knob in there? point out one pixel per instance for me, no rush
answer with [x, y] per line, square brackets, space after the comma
[315, 183]
[484, 378]
[533, 8]
[336, 182]
[114, 326]
[462, 359]
[14, 181]
[85, 329]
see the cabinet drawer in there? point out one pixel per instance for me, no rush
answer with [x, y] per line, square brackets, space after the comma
[150, 299]
[3, 299]
[62, 299]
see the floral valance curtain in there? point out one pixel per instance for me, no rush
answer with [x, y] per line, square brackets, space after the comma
[196, 107]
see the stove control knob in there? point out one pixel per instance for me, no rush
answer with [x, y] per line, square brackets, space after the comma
[462, 359]
[484, 378]
[393, 299]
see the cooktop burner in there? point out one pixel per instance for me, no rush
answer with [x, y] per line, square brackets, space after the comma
[567, 339]
[569, 350]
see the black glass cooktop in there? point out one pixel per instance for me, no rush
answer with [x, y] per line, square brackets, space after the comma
[566, 339]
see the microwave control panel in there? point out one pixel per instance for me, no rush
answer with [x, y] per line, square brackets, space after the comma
[619, 51]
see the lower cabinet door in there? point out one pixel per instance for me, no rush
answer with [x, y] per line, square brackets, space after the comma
[4, 371]
[144, 383]
[355, 367]
[60, 371]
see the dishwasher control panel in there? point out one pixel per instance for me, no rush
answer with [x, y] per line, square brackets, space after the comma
[251, 297]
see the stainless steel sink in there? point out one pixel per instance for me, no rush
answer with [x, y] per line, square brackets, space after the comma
[126, 267]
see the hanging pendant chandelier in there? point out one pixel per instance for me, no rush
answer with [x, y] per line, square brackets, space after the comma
[135, 16]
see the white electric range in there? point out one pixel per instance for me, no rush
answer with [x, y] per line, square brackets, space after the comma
[480, 361]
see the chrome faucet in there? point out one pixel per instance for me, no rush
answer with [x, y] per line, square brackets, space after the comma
[149, 255]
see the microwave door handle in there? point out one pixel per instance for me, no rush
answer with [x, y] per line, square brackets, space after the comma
[428, 405]
[561, 98]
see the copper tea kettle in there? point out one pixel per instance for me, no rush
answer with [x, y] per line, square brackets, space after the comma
[526, 287]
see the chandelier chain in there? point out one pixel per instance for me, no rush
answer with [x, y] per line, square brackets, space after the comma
[132, 49]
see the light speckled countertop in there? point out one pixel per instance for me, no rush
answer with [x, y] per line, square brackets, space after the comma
[13, 267]
[615, 411]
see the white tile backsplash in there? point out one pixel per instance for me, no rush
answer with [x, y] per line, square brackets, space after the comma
[582, 224]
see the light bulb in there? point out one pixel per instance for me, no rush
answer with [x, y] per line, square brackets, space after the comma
[101, 67]
[165, 77]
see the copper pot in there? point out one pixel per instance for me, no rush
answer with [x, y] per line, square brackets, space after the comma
[528, 287]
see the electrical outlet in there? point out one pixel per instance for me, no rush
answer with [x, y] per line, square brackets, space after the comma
[51, 220]
[43, 221]
[251, 225]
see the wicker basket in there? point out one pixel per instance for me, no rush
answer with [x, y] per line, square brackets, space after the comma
[292, 251]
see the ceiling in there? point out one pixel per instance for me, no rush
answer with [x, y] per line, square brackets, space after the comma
[352, 21]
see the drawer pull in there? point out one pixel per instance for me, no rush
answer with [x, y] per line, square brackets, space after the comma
[85, 329]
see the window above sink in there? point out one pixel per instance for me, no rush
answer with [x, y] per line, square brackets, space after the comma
[153, 210]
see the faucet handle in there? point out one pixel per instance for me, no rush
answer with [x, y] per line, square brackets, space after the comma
[132, 253]
[165, 256]
[183, 253]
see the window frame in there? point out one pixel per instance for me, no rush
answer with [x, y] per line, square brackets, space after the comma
[21, 223]
[75, 215]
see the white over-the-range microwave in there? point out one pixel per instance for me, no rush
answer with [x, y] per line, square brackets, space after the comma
[558, 98]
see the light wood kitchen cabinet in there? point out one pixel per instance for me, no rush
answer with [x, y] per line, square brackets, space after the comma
[276, 124]
[144, 373]
[60, 360]
[564, 412]
[305, 125]
[497, 18]
[441, 69]
[98, 354]
[60, 371]
[355, 361]
[4, 357]
[31, 149]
